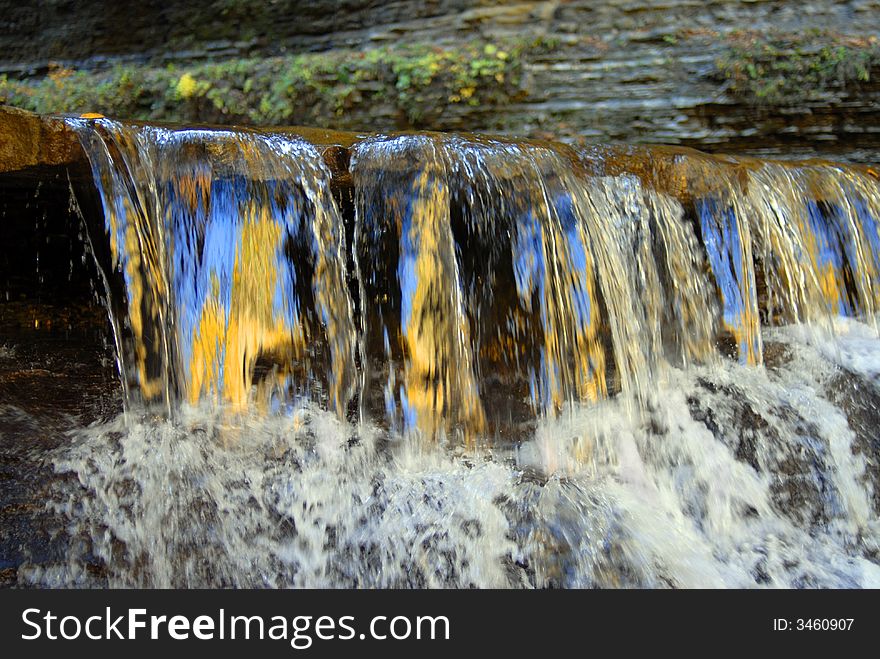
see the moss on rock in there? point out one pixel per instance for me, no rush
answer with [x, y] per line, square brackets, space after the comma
[787, 69]
[416, 83]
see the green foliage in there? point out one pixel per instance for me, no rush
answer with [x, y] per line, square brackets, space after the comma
[788, 70]
[65, 90]
[418, 82]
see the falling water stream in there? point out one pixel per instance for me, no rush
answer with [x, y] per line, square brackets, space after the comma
[483, 363]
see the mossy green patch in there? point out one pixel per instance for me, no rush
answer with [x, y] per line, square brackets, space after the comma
[414, 83]
[785, 69]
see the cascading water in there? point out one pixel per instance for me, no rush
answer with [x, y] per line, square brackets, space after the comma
[498, 266]
[231, 253]
[571, 368]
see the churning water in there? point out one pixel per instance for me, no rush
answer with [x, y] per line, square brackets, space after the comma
[478, 363]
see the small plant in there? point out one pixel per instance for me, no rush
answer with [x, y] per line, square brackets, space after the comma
[791, 69]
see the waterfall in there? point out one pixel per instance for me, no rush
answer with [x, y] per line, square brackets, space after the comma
[482, 269]
[232, 254]
[466, 361]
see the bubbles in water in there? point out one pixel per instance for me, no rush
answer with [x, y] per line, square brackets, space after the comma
[729, 476]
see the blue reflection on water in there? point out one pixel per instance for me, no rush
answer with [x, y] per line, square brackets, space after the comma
[825, 223]
[530, 274]
[577, 255]
[407, 275]
[725, 251]
[871, 229]
[206, 242]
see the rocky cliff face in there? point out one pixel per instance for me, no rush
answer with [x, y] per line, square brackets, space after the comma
[72, 31]
[622, 70]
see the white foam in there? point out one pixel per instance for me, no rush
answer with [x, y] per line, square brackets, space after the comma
[847, 342]
[731, 476]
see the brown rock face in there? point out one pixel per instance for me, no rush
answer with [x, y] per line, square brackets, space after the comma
[30, 141]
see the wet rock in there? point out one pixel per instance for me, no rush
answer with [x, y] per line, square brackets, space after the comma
[859, 398]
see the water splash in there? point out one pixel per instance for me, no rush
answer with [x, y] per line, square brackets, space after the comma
[732, 476]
